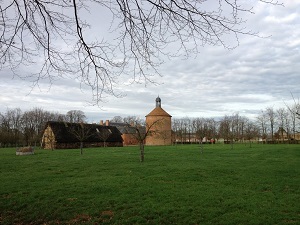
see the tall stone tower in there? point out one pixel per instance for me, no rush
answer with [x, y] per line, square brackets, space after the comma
[159, 125]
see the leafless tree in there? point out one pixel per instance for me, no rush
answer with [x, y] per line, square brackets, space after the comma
[24, 128]
[262, 123]
[176, 129]
[238, 127]
[192, 130]
[282, 115]
[212, 128]
[81, 132]
[104, 135]
[187, 125]
[294, 111]
[56, 36]
[3, 131]
[270, 112]
[241, 128]
[143, 130]
[251, 131]
[29, 127]
[75, 116]
[9, 133]
[13, 118]
[225, 128]
[33, 122]
[132, 120]
[199, 124]
[117, 119]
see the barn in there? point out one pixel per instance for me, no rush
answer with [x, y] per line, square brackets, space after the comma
[63, 135]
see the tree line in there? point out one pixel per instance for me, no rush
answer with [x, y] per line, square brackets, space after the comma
[271, 125]
[18, 128]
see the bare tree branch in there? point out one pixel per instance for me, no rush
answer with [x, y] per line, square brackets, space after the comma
[54, 37]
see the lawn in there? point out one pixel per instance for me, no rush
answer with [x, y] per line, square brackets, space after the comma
[175, 185]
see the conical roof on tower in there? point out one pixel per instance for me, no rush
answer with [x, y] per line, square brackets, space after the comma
[158, 110]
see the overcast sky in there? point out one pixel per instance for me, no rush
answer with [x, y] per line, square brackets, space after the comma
[259, 73]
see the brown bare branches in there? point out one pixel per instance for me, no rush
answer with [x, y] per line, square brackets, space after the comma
[54, 37]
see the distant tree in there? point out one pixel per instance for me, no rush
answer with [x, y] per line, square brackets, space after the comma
[29, 131]
[5, 134]
[271, 115]
[11, 126]
[262, 123]
[33, 122]
[238, 127]
[131, 120]
[200, 131]
[75, 116]
[56, 37]
[143, 130]
[212, 126]
[233, 127]
[25, 128]
[15, 116]
[296, 107]
[251, 131]
[103, 134]
[282, 115]
[81, 132]
[241, 122]
[224, 128]
[117, 119]
[294, 111]
[178, 130]
[187, 122]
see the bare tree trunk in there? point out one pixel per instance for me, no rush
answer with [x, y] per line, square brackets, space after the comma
[81, 148]
[142, 147]
[201, 147]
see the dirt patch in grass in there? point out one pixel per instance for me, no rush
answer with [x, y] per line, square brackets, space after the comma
[80, 219]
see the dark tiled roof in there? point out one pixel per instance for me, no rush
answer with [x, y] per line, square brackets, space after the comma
[64, 132]
[125, 128]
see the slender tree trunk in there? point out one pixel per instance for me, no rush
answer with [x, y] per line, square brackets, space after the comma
[142, 151]
[81, 148]
[201, 147]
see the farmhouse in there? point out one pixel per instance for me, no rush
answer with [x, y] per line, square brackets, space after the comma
[62, 135]
[158, 122]
[129, 132]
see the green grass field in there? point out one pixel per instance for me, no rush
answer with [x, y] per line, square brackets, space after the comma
[175, 185]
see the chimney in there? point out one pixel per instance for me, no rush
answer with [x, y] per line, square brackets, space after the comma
[101, 122]
[107, 123]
